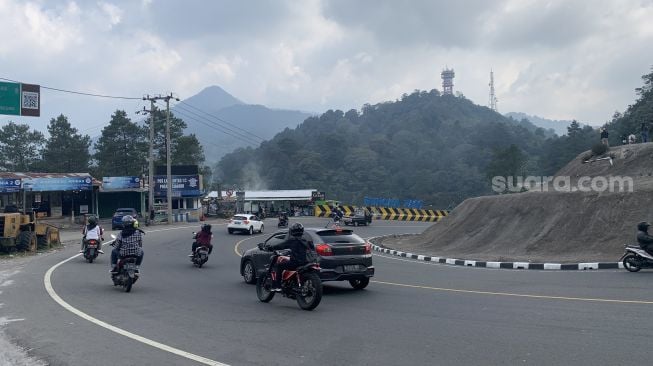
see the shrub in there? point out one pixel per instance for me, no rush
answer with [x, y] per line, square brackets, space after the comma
[599, 149]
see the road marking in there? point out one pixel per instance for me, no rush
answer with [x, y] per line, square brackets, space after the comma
[48, 287]
[516, 295]
[241, 241]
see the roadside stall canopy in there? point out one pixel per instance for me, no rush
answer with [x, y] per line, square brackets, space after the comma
[281, 195]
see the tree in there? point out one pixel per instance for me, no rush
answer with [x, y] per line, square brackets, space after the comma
[508, 163]
[177, 127]
[66, 151]
[122, 148]
[19, 147]
[187, 150]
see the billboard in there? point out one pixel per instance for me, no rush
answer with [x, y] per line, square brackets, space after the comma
[182, 185]
[49, 184]
[117, 183]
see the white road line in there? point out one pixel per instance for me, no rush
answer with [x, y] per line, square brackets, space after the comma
[48, 287]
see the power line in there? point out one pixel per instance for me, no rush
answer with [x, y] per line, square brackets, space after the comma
[220, 119]
[247, 135]
[240, 137]
[76, 92]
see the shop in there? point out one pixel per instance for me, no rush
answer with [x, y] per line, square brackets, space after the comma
[122, 192]
[298, 202]
[49, 194]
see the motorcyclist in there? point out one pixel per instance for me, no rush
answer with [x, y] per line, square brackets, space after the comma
[643, 238]
[92, 231]
[128, 243]
[203, 239]
[283, 218]
[298, 247]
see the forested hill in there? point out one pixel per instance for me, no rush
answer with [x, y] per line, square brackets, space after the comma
[427, 146]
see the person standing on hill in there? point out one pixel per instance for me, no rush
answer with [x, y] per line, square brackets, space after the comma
[604, 137]
[644, 132]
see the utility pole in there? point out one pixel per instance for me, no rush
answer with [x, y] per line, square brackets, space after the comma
[168, 156]
[150, 180]
[153, 100]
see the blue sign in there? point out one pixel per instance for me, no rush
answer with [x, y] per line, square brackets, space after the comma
[46, 184]
[114, 183]
[182, 185]
[394, 203]
[8, 185]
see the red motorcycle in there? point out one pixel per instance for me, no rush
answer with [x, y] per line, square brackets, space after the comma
[302, 284]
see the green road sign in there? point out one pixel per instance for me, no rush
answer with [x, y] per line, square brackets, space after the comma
[10, 98]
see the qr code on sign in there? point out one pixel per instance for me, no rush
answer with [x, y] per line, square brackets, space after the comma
[30, 100]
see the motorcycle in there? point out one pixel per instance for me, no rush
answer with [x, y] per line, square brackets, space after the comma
[200, 255]
[127, 275]
[302, 284]
[283, 221]
[91, 250]
[636, 258]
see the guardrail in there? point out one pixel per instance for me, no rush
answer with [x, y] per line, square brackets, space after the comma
[388, 213]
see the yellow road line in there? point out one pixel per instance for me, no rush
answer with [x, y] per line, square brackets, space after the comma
[516, 295]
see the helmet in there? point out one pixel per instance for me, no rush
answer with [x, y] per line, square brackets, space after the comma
[92, 220]
[296, 229]
[206, 228]
[643, 226]
[128, 221]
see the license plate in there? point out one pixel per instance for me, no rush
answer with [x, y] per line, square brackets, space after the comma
[237, 222]
[352, 268]
[129, 266]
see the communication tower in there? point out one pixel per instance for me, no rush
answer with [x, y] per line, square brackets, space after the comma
[447, 81]
[493, 97]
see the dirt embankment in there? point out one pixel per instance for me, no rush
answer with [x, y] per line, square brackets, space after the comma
[548, 226]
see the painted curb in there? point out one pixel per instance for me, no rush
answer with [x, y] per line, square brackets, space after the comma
[498, 265]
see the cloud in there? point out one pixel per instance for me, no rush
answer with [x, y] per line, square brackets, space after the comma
[557, 59]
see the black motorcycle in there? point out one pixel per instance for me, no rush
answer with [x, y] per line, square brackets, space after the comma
[127, 271]
[636, 258]
[200, 255]
[91, 250]
[302, 284]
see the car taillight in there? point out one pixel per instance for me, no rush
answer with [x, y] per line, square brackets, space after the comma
[368, 248]
[246, 222]
[323, 250]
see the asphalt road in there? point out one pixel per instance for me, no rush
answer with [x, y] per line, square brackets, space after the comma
[413, 313]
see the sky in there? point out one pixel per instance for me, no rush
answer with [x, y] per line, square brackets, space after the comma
[558, 59]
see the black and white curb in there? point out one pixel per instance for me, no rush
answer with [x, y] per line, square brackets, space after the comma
[500, 265]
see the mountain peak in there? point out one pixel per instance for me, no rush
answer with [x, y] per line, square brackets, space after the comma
[215, 97]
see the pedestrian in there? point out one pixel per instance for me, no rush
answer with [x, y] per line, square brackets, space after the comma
[632, 138]
[604, 137]
[644, 132]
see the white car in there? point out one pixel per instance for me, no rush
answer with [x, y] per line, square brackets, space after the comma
[245, 222]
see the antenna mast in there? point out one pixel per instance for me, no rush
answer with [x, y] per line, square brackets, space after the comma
[493, 97]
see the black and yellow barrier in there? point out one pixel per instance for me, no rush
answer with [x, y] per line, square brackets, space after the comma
[389, 213]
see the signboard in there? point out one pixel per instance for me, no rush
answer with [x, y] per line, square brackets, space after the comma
[8, 185]
[182, 186]
[20, 99]
[116, 183]
[395, 203]
[58, 184]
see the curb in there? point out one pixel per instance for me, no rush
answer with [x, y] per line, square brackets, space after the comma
[497, 265]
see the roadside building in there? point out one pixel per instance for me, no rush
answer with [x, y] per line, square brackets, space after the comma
[298, 202]
[49, 194]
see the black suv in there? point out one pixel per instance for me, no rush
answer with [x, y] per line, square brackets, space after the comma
[343, 256]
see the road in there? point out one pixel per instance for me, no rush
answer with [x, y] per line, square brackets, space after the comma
[413, 313]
